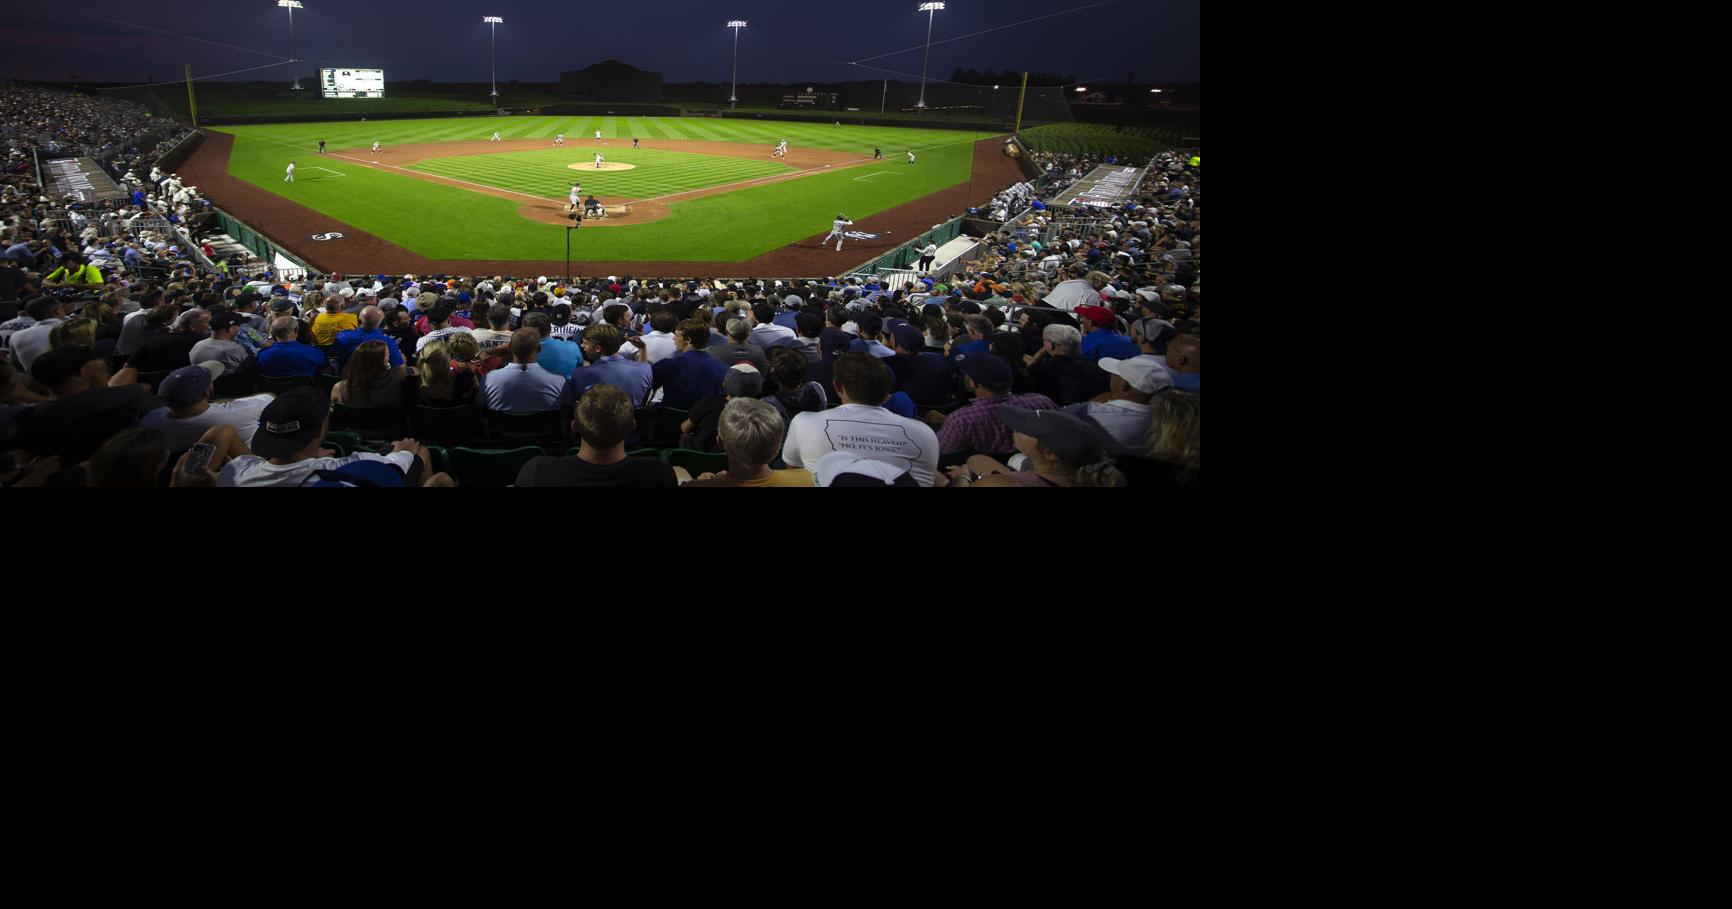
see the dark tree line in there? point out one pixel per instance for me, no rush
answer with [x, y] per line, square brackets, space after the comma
[1008, 77]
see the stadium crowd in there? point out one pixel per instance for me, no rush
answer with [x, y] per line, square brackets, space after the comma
[1067, 353]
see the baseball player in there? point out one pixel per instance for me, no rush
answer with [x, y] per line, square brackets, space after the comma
[598, 135]
[375, 146]
[598, 160]
[911, 157]
[559, 139]
[836, 229]
[290, 176]
[782, 149]
[877, 153]
[575, 196]
[495, 136]
[321, 146]
[634, 142]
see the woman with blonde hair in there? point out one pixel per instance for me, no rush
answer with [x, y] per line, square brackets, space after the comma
[369, 380]
[73, 333]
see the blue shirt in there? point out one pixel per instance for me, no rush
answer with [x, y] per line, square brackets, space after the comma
[1097, 344]
[523, 388]
[347, 341]
[689, 376]
[560, 357]
[291, 358]
[971, 348]
[786, 320]
[628, 376]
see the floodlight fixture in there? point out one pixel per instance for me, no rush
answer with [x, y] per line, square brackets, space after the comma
[734, 94]
[930, 9]
[291, 6]
[493, 23]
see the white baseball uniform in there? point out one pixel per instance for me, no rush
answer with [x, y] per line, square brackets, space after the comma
[910, 157]
[836, 230]
[495, 137]
[290, 176]
[598, 135]
[559, 139]
[375, 146]
[598, 159]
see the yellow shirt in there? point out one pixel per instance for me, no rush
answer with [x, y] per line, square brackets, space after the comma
[326, 326]
[797, 476]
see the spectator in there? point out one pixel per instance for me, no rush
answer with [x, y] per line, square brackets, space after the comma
[601, 343]
[808, 327]
[845, 468]
[1171, 455]
[86, 408]
[558, 357]
[174, 350]
[74, 273]
[765, 331]
[369, 380]
[442, 382]
[439, 317]
[870, 325]
[221, 346]
[1058, 446]
[29, 343]
[1124, 410]
[130, 458]
[658, 344]
[1103, 339]
[978, 426]
[287, 356]
[371, 318]
[862, 425]
[978, 329]
[751, 434]
[602, 420]
[691, 373]
[795, 394]
[699, 429]
[187, 392]
[524, 387]
[288, 447]
[1060, 372]
[401, 330]
[740, 349]
[926, 377]
[499, 317]
[1184, 356]
[333, 321]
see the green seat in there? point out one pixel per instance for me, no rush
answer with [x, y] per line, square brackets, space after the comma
[440, 457]
[461, 423]
[479, 467]
[527, 427]
[696, 462]
[665, 426]
[345, 443]
[639, 453]
[327, 381]
[382, 422]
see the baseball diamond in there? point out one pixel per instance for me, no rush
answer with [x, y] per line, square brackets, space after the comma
[442, 195]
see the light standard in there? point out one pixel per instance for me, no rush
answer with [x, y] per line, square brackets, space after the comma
[291, 6]
[734, 96]
[493, 22]
[930, 9]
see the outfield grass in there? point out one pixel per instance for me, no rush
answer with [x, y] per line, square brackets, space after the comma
[447, 222]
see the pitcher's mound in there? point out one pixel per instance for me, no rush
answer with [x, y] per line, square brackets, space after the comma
[606, 166]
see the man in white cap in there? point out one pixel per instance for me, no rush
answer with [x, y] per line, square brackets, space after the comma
[1125, 411]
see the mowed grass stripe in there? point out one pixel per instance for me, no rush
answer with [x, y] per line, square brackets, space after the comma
[546, 174]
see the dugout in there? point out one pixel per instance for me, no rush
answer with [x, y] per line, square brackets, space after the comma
[610, 80]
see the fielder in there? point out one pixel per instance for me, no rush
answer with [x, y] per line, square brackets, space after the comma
[837, 228]
[635, 141]
[290, 176]
[495, 136]
[782, 149]
[375, 146]
[598, 160]
[559, 139]
[321, 146]
[598, 135]
[910, 157]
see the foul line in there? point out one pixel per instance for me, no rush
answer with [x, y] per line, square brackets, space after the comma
[327, 170]
[709, 190]
[874, 174]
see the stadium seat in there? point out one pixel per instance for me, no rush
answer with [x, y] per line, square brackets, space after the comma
[327, 381]
[232, 385]
[462, 423]
[639, 453]
[382, 422]
[280, 384]
[478, 467]
[664, 423]
[529, 427]
[696, 462]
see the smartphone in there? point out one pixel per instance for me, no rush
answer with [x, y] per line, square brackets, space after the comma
[198, 457]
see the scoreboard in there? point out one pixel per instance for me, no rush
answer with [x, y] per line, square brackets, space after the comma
[352, 83]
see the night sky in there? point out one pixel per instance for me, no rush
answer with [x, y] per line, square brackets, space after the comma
[685, 40]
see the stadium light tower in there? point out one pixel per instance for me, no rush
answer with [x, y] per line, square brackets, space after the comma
[291, 6]
[734, 96]
[930, 9]
[493, 22]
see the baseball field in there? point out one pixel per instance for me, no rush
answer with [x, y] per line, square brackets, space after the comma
[700, 196]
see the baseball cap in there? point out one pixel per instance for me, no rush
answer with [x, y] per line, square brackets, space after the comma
[986, 369]
[1072, 438]
[288, 423]
[223, 318]
[743, 381]
[282, 304]
[1143, 374]
[908, 337]
[189, 383]
[845, 468]
[1099, 315]
[55, 366]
